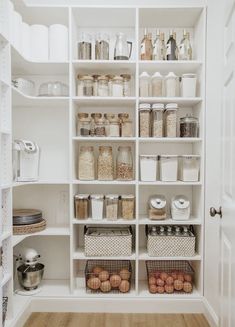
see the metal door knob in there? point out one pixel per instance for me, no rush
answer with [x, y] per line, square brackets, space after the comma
[214, 212]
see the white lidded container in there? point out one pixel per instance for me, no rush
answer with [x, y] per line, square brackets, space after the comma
[148, 168]
[180, 208]
[171, 85]
[97, 206]
[189, 168]
[168, 168]
[188, 85]
[145, 87]
[157, 207]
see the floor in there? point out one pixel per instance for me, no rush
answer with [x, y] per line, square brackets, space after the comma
[115, 320]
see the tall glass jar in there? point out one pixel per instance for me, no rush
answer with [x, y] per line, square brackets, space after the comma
[95, 85]
[100, 127]
[171, 120]
[102, 46]
[87, 85]
[105, 163]
[126, 85]
[94, 116]
[145, 85]
[80, 85]
[111, 206]
[157, 119]
[85, 47]
[127, 128]
[157, 85]
[81, 206]
[128, 206]
[86, 163]
[103, 88]
[188, 126]
[114, 128]
[117, 87]
[124, 163]
[144, 119]
[80, 116]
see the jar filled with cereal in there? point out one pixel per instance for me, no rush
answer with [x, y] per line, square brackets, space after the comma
[105, 164]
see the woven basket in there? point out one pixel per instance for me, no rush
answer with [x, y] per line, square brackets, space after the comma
[29, 229]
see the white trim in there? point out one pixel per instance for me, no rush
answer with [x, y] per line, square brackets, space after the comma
[210, 314]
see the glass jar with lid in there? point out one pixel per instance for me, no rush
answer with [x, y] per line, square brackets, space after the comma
[111, 211]
[171, 120]
[189, 126]
[171, 85]
[102, 46]
[80, 85]
[157, 119]
[81, 206]
[87, 85]
[105, 164]
[117, 86]
[80, 116]
[103, 88]
[126, 85]
[144, 119]
[157, 85]
[100, 127]
[114, 128]
[157, 207]
[95, 85]
[127, 206]
[86, 163]
[180, 208]
[189, 168]
[110, 84]
[145, 85]
[124, 163]
[94, 116]
[85, 47]
[127, 128]
[84, 127]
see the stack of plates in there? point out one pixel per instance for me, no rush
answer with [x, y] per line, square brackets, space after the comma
[26, 217]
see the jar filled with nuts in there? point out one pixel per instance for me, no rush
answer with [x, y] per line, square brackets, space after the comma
[100, 127]
[94, 116]
[105, 163]
[171, 120]
[144, 119]
[127, 206]
[86, 163]
[124, 163]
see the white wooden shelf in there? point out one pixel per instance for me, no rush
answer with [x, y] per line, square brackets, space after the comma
[104, 100]
[5, 279]
[180, 183]
[104, 139]
[120, 66]
[5, 235]
[41, 182]
[96, 182]
[104, 221]
[143, 255]
[165, 66]
[182, 102]
[169, 221]
[170, 140]
[79, 254]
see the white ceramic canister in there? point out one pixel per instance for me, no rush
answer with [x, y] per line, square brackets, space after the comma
[189, 168]
[97, 206]
[168, 168]
[145, 85]
[148, 168]
[180, 208]
[188, 85]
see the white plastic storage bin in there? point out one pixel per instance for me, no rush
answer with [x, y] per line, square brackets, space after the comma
[189, 168]
[180, 208]
[148, 168]
[188, 85]
[97, 206]
[168, 168]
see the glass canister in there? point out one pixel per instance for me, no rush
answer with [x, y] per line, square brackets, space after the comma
[114, 128]
[80, 85]
[171, 120]
[84, 47]
[95, 85]
[102, 46]
[144, 85]
[126, 85]
[105, 164]
[94, 116]
[189, 168]
[157, 119]
[81, 206]
[97, 206]
[100, 127]
[171, 85]
[127, 206]
[103, 88]
[87, 85]
[144, 119]
[86, 163]
[80, 116]
[117, 86]
[157, 85]
[127, 128]
[110, 84]
[112, 201]
[157, 207]
[189, 126]
[180, 208]
[84, 127]
[124, 163]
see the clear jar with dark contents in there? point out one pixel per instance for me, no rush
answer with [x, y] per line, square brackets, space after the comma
[188, 126]
[100, 127]
[81, 206]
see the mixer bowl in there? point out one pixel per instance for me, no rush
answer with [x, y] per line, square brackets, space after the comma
[30, 276]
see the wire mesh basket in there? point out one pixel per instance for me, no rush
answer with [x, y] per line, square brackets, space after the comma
[108, 276]
[169, 276]
[4, 309]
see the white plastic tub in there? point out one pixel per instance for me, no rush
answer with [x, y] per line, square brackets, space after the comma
[188, 85]
[97, 206]
[189, 168]
[148, 168]
[168, 168]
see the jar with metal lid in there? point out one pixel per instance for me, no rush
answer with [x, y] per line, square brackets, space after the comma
[100, 127]
[86, 163]
[127, 128]
[97, 206]
[145, 85]
[111, 211]
[95, 85]
[103, 88]
[80, 85]
[188, 126]
[114, 128]
[127, 206]
[180, 208]
[171, 120]
[144, 119]
[189, 168]
[157, 85]
[105, 164]
[157, 119]
[124, 163]
[81, 206]
[126, 85]
[102, 46]
[84, 127]
[117, 87]
[80, 116]
[157, 207]
[171, 85]
[85, 47]
[87, 85]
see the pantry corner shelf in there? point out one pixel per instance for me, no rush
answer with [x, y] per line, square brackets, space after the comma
[105, 221]
[79, 254]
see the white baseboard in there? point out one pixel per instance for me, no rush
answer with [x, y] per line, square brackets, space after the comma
[210, 314]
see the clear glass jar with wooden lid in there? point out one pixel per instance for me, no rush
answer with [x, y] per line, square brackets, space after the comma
[81, 116]
[87, 82]
[117, 87]
[105, 164]
[114, 128]
[95, 85]
[94, 116]
[81, 202]
[103, 88]
[126, 85]
[80, 85]
[100, 127]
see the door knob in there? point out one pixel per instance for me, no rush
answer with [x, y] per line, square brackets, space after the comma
[214, 212]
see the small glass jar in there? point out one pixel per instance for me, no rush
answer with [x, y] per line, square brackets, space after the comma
[157, 207]
[80, 116]
[127, 206]
[111, 206]
[85, 47]
[86, 163]
[114, 128]
[127, 128]
[157, 85]
[171, 85]
[188, 126]
[87, 85]
[95, 85]
[81, 206]
[102, 46]
[97, 206]
[145, 85]
[100, 127]
[126, 85]
[144, 119]
[124, 163]
[171, 120]
[157, 119]
[84, 127]
[103, 88]
[105, 164]
[117, 87]
[94, 116]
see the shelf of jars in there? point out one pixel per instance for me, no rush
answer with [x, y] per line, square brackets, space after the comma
[144, 220]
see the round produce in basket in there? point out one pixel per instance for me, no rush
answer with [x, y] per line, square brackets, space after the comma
[124, 286]
[93, 283]
[104, 275]
[160, 282]
[152, 281]
[96, 270]
[178, 285]
[187, 287]
[169, 280]
[153, 289]
[174, 275]
[115, 281]
[169, 289]
[105, 286]
[164, 276]
[125, 274]
[180, 277]
[160, 289]
[188, 278]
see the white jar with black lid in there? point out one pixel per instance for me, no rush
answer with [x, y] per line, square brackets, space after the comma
[180, 208]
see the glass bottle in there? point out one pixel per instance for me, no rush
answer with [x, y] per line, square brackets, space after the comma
[154, 231]
[185, 48]
[124, 163]
[144, 84]
[159, 49]
[146, 47]
[105, 163]
[171, 47]
[161, 231]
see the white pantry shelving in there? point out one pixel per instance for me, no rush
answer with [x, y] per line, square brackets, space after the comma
[51, 122]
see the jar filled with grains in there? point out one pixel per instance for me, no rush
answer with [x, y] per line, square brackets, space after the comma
[86, 163]
[95, 85]
[124, 163]
[112, 206]
[171, 120]
[87, 85]
[157, 85]
[117, 87]
[127, 206]
[94, 116]
[105, 163]
[100, 127]
[81, 206]
[157, 119]
[127, 128]
[144, 119]
[103, 88]
[114, 128]
[126, 85]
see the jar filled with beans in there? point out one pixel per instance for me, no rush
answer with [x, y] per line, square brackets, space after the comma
[124, 163]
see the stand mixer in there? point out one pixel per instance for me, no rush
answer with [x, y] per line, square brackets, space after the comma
[29, 273]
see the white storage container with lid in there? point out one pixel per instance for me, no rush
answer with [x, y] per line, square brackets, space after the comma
[180, 208]
[97, 206]
[189, 168]
[188, 85]
[145, 85]
[157, 119]
[171, 85]
[168, 168]
[144, 119]
[157, 85]
[157, 207]
[171, 120]
[148, 168]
